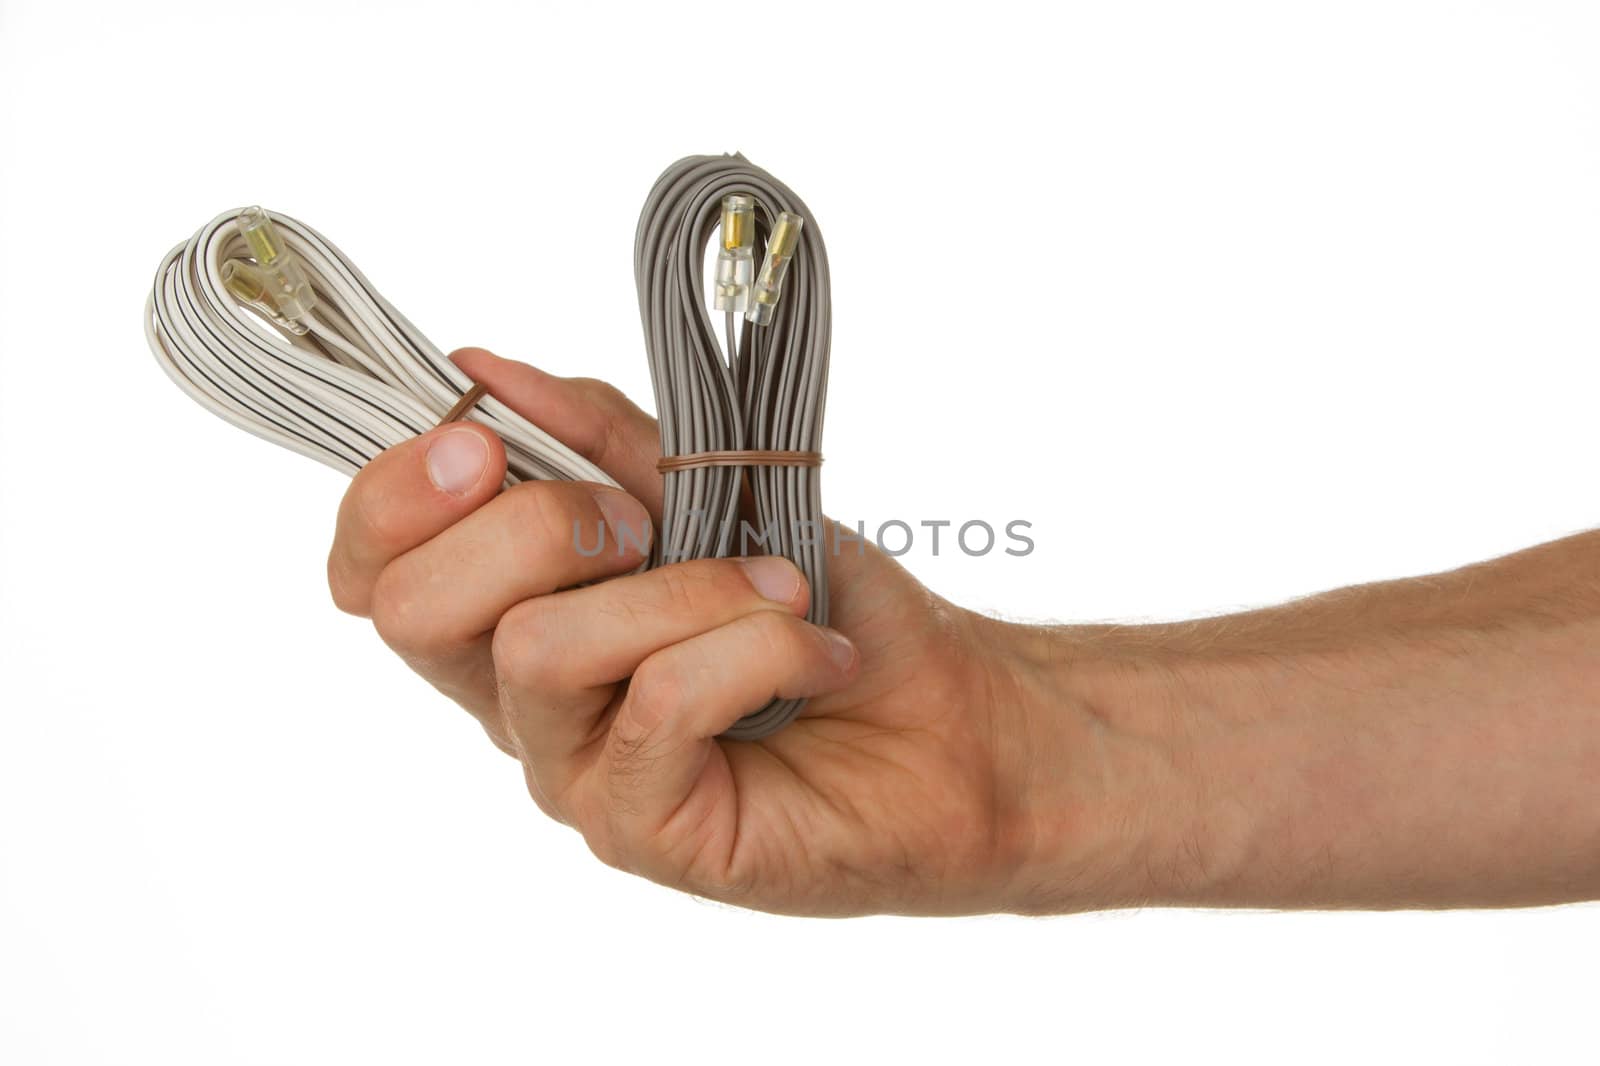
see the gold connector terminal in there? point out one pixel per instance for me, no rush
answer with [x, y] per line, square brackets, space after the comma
[286, 287]
[769, 283]
[736, 263]
[251, 286]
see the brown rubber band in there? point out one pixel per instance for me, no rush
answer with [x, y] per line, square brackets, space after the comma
[670, 463]
[465, 404]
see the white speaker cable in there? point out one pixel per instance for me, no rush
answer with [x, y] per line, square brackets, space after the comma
[298, 348]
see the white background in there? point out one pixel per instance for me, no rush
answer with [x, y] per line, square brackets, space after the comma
[1234, 302]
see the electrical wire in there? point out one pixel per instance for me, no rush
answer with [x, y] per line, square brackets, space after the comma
[764, 391]
[347, 379]
[265, 323]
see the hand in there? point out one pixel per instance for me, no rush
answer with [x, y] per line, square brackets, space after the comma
[936, 768]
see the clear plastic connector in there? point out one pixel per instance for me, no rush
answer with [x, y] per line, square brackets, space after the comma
[252, 286]
[736, 263]
[769, 283]
[287, 287]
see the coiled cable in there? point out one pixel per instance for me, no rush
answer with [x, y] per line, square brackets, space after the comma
[761, 390]
[261, 320]
[343, 380]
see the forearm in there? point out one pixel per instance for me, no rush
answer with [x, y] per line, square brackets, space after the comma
[1430, 742]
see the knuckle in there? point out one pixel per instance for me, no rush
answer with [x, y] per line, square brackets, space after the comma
[777, 635]
[607, 846]
[396, 613]
[601, 393]
[695, 588]
[724, 885]
[678, 589]
[521, 647]
[381, 523]
[537, 793]
[586, 810]
[500, 738]
[617, 414]
[349, 595]
[656, 694]
[541, 522]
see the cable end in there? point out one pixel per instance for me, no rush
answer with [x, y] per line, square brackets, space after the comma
[287, 288]
[769, 283]
[252, 286]
[736, 264]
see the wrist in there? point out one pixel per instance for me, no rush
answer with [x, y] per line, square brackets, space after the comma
[1095, 750]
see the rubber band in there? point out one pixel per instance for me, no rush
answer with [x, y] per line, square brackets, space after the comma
[468, 401]
[669, 464]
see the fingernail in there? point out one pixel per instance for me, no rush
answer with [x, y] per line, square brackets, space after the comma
[456, 460]
[840, 649]
[625, 517]
[776, 579]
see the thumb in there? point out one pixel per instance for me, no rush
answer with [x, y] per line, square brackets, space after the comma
[591, 417]
[405, 497]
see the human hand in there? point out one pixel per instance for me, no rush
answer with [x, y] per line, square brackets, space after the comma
[938, 767]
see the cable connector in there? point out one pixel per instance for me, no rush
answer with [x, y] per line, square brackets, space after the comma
[736, 263]
[251, 286]
[780, 252]
[285, 285]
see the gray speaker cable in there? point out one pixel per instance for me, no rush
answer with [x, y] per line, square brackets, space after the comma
[265, 323]
[761, 391]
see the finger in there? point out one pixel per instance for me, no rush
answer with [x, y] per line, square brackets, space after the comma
[557, 657]
[683, 696]
[591, 417]
[437, 604]
[405, 496]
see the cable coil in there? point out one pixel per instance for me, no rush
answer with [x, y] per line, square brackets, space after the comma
[265, 323]
[763, 391]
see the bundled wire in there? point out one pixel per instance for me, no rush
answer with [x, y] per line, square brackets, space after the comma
[265, 323]
[753, 405]
[303, 352]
